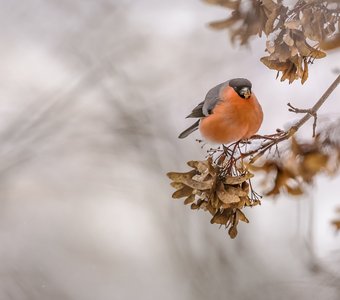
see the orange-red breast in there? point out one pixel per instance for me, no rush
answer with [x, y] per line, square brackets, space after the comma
[229, 113]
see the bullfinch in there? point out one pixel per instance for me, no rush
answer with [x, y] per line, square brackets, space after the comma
[229, 113]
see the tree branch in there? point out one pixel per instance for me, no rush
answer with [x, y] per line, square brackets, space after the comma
[285, 135]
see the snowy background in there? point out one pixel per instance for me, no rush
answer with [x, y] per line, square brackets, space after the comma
[93, 96]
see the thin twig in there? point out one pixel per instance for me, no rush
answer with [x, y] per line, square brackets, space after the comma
[285, 135]
[305, 111]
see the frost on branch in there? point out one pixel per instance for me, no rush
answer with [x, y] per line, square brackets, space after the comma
[294, 35]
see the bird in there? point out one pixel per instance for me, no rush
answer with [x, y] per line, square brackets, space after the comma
[229, 113]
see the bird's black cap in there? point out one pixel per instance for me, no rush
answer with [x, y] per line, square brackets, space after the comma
[238, 83]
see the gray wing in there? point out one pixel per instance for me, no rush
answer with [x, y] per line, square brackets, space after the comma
[197, 111]
[206, 107]
[212, 98]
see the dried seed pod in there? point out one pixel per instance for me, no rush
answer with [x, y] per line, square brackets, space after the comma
[207, 188]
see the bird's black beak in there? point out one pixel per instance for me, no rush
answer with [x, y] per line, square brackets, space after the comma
[245, 92]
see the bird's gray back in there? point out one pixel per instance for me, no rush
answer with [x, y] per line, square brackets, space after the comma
[212, 98]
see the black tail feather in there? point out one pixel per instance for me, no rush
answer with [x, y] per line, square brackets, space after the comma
[189, 130]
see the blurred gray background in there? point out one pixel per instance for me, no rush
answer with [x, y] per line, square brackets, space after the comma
[93, 95]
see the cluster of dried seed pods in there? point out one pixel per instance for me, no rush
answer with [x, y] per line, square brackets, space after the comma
[223, 197]
[294, 35]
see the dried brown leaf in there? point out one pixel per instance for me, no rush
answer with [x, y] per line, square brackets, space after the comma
[282, 53]
[241, 216]
[306, 22]
[226, 196]
[193, 163]
[330, 29]
[269, 5]
[232, 180]
[305, 71]
[199, 204]
[194, 206]
[179, 177]
[275, 64]
[221, 218]
[290, 73]
[177, 185]
[202, 166]
[281, 18]
[336, 224]
[212, 210]
[287, 39]
[267, 167]
[282, 176]
[294, 51]
[295, 191]
[189, 199]
[240, 204]
[236, 191]
[222, 24]
[245, 186]
[261, 21]
[272, 16]
[183, 192]
[297, 61]
[318, 25]
[215, 202]
[295, 147]
[203, 205]
[292, 24]
[306, 50]
[331, 43]
[314, 162]
[186, 178]
[232, 231]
